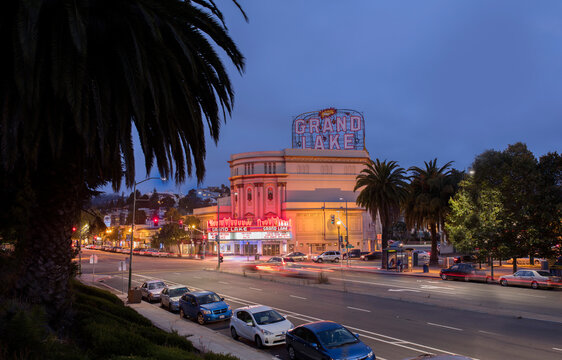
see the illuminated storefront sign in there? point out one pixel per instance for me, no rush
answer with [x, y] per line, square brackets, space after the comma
[334, 129]
[232, 229]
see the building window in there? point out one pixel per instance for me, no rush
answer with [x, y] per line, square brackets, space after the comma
[269, 168]
[248, 169]
[269, 194]
[349, 170]
[302, 169]
[326, 169]
[249, 194]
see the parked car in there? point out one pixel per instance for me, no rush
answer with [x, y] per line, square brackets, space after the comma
[423, 256]
[170, 296]
[297, 256]
[465, 259]
[333, 256]
[261, 324]
[151, 290]
[160, 253]
[204, 306]
[353, 254]
[532, 278]
[326, 340]
[148, 252]
[465, 272]
[373, 255]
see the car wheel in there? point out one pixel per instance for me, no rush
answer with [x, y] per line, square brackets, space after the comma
[233, 333]
[534, 285]
[503, 282]
[259, 344]
[182, 314]
[200, 319]
[149, 299]
[292, 353]
[444, 276]
[319, 261]
[336, 260]
[466, 279]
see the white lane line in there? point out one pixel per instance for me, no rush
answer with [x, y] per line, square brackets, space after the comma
[391, 285]
[196, 277]
[487, 332]
[223, 282]
[297, 297]
[354, 308]
[177, 274]
[256, 289]
[444, 326]
[557, 349]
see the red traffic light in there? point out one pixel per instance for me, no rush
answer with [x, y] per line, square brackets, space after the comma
[73, 228]
[181, 222]
[155, 220]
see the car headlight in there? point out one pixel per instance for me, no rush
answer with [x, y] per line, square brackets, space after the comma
[371, 354]
[228, 307]
[265, 332]
[207, 312]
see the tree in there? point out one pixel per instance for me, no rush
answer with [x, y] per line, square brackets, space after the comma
[383, 189]
[167, 202]
[428, 199]
[74, 79]
[172, 215]
[169, 235]
[140, 217]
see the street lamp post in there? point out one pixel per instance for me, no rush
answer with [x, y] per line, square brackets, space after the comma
[133, 225]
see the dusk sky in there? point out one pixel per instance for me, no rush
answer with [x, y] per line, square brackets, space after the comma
[433, 79]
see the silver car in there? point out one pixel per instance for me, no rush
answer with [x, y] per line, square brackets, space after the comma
[334, 256]
[151, 290]
[532, 278]
[170, 296]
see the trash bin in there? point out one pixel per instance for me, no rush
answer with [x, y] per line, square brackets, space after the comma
[257, 257]
[425, 268]
[135, 296]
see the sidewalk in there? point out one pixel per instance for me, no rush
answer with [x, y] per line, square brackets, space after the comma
[203, 338]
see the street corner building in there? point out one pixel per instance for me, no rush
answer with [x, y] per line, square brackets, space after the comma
[294, 199]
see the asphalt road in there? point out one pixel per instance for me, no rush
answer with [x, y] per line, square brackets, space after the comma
[398, 316]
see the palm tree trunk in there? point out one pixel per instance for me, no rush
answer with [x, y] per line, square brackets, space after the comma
[433, 259]
[44, 253]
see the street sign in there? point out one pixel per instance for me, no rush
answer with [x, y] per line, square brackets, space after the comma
[93, 259]
[122, 266]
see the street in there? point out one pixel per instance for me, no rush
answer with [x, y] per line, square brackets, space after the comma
[398, 316]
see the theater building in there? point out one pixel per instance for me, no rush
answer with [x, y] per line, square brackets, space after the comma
[292, 199]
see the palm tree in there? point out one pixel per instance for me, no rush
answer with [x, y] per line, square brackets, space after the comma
[383, 189]
[75, 76]
[428, 200]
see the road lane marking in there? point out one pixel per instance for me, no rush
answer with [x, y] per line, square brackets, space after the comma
[177, 273]
[354, 308]
[404, 290]
[444, 326]
[253, 288]
[391, 285]
[297, 297]
[380, 337]
[223, 282]
[197, 277]
[557, 349]
[487, 332]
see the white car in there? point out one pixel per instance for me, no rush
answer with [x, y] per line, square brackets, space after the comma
[170, 296]
[334, 256]
[152, 289]
[261, 324]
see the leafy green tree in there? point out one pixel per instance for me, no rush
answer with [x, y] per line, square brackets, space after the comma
[75, 78]
[172, 215]
[383, 189]
[169, 235]
[140, 217]
[428, 199]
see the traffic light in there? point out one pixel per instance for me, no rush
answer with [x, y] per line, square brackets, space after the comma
[155, 221]
[74, 229]
[346, 241]
[180, 224]
[332, 219]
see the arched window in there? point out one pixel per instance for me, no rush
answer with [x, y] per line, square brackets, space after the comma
[249, 194]
[269, 194]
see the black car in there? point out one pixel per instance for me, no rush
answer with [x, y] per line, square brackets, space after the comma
[465, 272]
[354, 253]
[373, 255]
[465, 259]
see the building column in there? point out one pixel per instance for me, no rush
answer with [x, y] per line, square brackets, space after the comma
[240, 200]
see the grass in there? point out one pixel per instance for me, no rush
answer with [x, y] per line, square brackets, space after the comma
[103, 328]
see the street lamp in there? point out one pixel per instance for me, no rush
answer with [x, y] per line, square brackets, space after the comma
[133, 225]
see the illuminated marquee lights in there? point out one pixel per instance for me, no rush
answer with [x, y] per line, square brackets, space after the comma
[333, 129]
[263, 226]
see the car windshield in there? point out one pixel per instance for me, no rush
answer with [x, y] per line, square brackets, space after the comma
[208, 298]
[543, 273]
[336, 337]
[157, 285]
[178, 291]
[268, 317]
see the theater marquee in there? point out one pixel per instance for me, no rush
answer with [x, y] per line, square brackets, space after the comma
[258, 229]
[333, 129]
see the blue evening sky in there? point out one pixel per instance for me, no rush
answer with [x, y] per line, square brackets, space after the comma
[434, 79]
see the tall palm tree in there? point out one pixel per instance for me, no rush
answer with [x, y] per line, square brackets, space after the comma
[428, 200]
[75, 77]
[383, 189]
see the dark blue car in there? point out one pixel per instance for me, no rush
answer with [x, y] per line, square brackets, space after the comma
[326, 340]
[205, 306]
